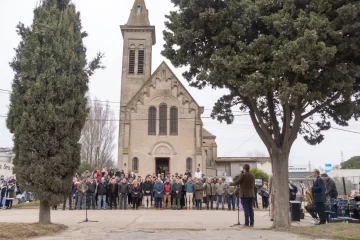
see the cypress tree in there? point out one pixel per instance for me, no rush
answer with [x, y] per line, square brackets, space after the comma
[48, 101]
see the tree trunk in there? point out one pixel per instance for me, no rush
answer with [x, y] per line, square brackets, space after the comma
[44, 213]
[280, 168]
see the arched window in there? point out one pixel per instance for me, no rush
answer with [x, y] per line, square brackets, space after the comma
[189, 162]
[138, 9]
[152, 121]
[132, 59]
[141, 58]
[173, 121]
[135, 164]
[163, 119]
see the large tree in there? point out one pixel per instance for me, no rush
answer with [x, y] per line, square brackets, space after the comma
[48, 101]
[282, 61]
[352, 163]
[98, 136]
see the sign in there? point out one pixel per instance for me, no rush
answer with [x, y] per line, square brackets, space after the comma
[328, 167]
[258, 182]
[6, 169]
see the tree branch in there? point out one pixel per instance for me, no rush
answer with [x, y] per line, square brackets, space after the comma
[273, 119]
[319, 107]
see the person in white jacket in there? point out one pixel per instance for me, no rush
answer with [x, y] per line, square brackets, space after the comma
[198, 174]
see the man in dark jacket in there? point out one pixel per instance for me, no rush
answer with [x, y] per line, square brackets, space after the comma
[113, 193]
[91, 188]
[102, 189]
[176, 192]
[209, 190]
[246, 193]
[318, 192]
[69, 196]
[123, 193]
[147, 188]
[331, 192]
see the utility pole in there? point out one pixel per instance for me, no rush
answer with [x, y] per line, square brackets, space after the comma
[310, 166]
[342, 156]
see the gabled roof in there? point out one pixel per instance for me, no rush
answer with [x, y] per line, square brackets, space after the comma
[162, 67]
[207, 135]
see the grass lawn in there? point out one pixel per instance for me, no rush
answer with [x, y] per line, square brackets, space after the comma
[345, 231]
[28, 230]
[31, 205]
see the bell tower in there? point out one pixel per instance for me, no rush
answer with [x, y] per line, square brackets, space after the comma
[139, 37]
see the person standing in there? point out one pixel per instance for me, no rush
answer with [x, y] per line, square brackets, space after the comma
[231, 198]
[246, 193]
[209, 190]
[91, 189]
[10, 193]
[69, 196]
[220, 193]
[318, 192]
[199, 190]
[123, 193]
[102, 190]
[158, 193]
[113, 193]
[147, 188]
[198, 173]
[189, 188]
[176, 189]
[135, 194]
[167, 194]
[81, 189]
[331, 192]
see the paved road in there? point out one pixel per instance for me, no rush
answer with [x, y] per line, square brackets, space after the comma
[152, 224]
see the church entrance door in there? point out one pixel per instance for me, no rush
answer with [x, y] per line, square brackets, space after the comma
[162, 165]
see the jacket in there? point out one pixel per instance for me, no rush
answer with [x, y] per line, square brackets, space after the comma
[10, 191]
[167, 188]
[136, 190]
[147, 187]
[102, 188]
[81, 188]
[113, 189]
[176, 189]
[331, 189]
[318, 190]
[199, 189]
[230, 190]
[189, 187]
[209, 189]
[220, 188]
[123, 188]
[91, 187]
[159, 190]
[247, 185]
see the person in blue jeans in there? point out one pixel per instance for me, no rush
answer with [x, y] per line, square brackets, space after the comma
[246, 180]
[159, 193]
[231, 197]
[220, 193]
[102, 189]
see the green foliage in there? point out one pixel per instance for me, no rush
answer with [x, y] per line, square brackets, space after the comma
[352, 163]
[282, 61]
[48, 102]
[86, 166]
[259, 174]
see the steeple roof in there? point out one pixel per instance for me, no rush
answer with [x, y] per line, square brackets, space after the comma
[139, 15]
[139, 20]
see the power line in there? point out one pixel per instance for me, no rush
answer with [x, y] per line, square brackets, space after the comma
[242, 144]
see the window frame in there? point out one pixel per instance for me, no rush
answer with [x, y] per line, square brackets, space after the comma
[174, 122]
[152, 120]
[163, 119]
[135, 164]
[132, 59]
[141, 62]
[189, 162]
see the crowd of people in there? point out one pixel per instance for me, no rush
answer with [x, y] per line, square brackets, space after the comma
[9, 189]
[118, 190]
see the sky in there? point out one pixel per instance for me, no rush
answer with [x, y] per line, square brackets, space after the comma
[102, 20]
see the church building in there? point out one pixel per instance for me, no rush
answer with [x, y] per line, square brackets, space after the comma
[160, 127]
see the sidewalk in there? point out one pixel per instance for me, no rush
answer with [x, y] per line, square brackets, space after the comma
[152, 224]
